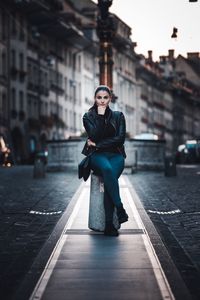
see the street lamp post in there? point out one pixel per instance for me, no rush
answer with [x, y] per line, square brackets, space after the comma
[106, 31]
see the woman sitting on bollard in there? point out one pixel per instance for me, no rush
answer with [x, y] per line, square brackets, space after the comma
[106, 131]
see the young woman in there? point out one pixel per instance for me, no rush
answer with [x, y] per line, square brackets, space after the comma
[106, 131]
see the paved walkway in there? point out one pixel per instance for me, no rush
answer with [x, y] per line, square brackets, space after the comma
[88, 265]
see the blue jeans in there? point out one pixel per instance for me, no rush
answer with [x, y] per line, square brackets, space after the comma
[109, 166]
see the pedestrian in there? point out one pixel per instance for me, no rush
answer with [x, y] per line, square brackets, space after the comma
[106, 131]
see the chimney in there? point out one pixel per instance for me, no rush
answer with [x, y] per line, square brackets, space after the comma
[171, 54]
[193, 55]
[162, 58]
[150, 53]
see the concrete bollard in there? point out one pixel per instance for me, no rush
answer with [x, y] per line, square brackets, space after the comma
[39, 169]
[96, 220]
[170, 166]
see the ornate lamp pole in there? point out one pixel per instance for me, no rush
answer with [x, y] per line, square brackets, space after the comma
[106, 32]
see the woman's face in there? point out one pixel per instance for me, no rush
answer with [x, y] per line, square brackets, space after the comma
[102, 98]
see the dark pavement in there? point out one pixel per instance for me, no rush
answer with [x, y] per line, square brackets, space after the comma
[173, 205]
[30, 209]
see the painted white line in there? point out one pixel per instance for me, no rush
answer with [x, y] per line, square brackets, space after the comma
[170, 212]
[36, 212]
[157, 268]
[44, 278]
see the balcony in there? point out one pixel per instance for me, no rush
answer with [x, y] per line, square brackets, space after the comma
[3, 79]
[30, 6]
[159, 125]
[13, 72]
[22, 74]
[57, 89]
[145, 120]
[22, 115]
[58, 121]
[34, 123]
[3, 120]
[14, 114]
[47, 121]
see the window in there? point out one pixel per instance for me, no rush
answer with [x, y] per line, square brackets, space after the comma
[45, 80]
[1, 105]
[30, 106]
[21, 100]
[13, 58]
[70, 58]
[13, 98]
[29, 67]
[4, 26]
[66, 117]
[4, 101]
[65, 85]
[4, 64]
[21, 61]
[74, 117]
[14, 27]
[46, 108]
[35, 109]
[21, 27]
[79, 63]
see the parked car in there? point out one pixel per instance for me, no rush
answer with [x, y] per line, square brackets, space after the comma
[146, 136]
[188, 152]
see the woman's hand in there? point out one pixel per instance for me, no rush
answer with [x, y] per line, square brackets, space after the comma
[91, 143]
[101, 109]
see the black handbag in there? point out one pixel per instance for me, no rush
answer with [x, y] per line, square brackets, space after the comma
[84, 168]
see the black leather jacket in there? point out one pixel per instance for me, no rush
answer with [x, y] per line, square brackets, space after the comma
[95, 131]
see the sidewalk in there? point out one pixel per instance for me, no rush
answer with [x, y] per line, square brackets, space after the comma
[88, 265]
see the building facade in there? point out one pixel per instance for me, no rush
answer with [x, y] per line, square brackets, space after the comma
[49, 69]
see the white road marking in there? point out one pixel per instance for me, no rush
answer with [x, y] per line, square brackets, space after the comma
[36, 212]
[170, 212]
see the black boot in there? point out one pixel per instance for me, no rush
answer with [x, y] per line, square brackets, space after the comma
[110, 229]
[121, 214]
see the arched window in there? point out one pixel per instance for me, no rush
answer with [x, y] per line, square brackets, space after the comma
[4, 64]
[13, 98]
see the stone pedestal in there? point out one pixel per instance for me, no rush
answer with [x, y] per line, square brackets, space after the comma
[96, 220]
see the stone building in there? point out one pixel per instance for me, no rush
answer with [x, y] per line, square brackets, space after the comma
[154, 112]
[124, 79]
[183, 78]
[53, 71]
[49, 69]
[4, 105]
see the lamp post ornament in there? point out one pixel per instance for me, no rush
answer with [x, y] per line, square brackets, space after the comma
[106, 29]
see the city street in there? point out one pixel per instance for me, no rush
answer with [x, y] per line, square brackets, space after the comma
[30, 209]
[173, 204]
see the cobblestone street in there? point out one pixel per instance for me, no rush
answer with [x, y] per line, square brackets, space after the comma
[173, 204]
[29, 210]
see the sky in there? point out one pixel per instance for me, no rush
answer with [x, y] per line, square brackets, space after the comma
[152, 23]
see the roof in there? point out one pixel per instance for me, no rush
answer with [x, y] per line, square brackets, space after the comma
[80, 5]
[193, 62]
[195, 65]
